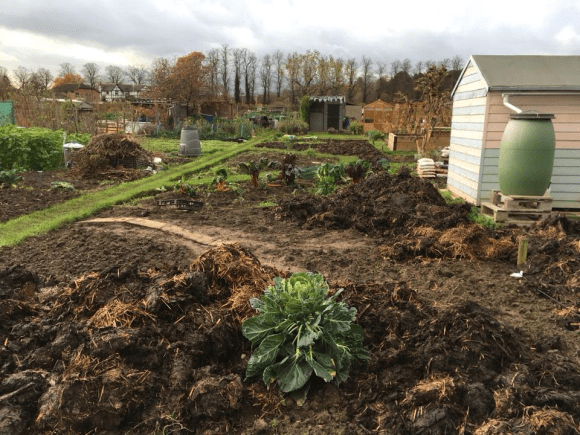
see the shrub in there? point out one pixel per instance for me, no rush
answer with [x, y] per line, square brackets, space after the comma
[375, 135]
[356, 127]
[34, 149]
[293, 126]
[305, 103]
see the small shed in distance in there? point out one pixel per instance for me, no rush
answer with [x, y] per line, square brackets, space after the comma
[378, 115]
[548, 84]
[326, 112]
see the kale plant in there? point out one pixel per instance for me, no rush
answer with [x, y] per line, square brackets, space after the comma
[300, 331]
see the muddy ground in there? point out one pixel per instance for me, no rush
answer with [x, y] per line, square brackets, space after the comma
[130, 322]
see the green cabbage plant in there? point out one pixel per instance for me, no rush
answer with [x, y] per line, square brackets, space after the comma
[300, 331]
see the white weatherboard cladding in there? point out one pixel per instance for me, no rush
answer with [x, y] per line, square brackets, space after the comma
[467, 132]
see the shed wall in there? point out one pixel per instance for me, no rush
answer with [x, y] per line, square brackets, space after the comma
[467, 135]
[565, 187]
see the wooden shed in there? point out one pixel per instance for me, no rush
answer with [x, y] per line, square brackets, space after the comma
[549, 84]
[326, 112]
[378, 115]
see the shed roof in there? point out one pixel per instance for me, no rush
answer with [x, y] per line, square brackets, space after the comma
[528, 72]
[378, 103]
[331, 99]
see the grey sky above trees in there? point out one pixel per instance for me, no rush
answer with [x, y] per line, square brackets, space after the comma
[46, 34]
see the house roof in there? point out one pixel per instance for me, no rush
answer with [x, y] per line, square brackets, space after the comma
[71, 87]
[527, 73]
[131, 87]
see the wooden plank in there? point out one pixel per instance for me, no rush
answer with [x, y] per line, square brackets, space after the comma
[470, 86]
[469, 95]
[478, 101]
[467, 118]
[466, 134]
[469, 110]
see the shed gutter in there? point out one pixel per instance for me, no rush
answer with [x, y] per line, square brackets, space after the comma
[506, 96]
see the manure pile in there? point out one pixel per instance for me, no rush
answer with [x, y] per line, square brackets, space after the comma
[111, 156]
[381, 205]
[127, 350]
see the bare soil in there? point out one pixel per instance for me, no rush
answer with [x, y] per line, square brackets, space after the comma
[130, 322]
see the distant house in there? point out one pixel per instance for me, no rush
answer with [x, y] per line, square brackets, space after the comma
[326, 112]
[548, 84]
[121, 91]
[76, 91]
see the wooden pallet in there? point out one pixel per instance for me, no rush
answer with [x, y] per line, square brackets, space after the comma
[521, 216]
[521, 202]
[181, 204]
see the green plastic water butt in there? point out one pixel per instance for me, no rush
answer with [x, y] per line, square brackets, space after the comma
[526, 154]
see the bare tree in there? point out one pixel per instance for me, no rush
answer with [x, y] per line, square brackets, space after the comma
[456, 62]
[406, 66]
[381, 79]
[309, 72]
[336, 74]
[381, 68]
[419, 67]
[5, 85]
[278, 60]
[239, 54]
[395, 67]
[323, 73]
[22, 76]
[293, 67]
[137, 74]
[161, 70]
[66, 68]
[351, 74]
[213, 61]
[44, 77]
[224, 68]
[40, 80]
[266, 77]
[114, 74]
[366, 76]
[91, 74]
[251, 71]
[445, 63]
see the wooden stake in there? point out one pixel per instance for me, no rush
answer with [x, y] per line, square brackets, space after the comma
[522, 250]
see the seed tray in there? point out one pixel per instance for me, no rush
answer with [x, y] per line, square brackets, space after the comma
[180, 204]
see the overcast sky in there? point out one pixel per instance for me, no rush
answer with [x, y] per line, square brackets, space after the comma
[46, 33]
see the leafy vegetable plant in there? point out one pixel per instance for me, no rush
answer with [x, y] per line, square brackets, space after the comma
[357, 171]
[300, 331]
[184, 188]
[9, 178]
[253, 168]
[328, 177]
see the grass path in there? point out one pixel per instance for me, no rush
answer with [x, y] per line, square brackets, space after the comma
[16, 230]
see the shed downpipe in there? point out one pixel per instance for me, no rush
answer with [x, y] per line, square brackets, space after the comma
[507, 104]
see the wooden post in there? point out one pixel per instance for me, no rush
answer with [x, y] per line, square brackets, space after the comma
[522, 250]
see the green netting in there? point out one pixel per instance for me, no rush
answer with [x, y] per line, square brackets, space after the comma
[6, 112]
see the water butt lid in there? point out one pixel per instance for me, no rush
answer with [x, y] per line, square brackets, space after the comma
[532, 114]
[189, 127]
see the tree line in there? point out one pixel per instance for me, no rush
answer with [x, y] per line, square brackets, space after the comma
[238, 74]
